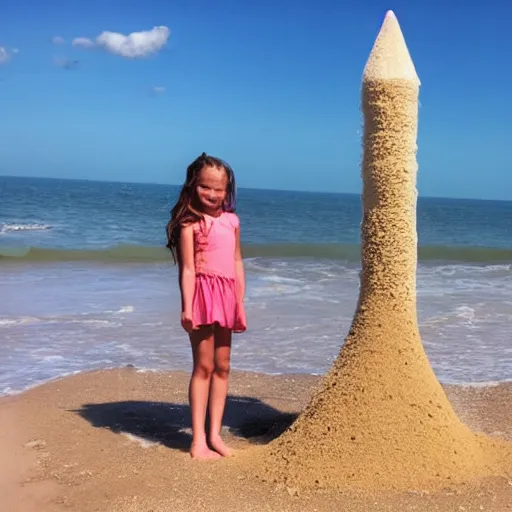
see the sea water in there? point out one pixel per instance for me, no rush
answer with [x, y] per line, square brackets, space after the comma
[86, 283]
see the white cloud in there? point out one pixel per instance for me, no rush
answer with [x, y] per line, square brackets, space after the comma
[57, 40]
[158, 89]
[136, 44]
[15, 51]
[5, 56]
[83, 42]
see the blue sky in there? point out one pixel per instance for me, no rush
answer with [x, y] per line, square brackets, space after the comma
[270, 86]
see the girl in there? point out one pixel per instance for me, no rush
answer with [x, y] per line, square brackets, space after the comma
[204, 238]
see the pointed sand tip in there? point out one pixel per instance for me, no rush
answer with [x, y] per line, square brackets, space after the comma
[389, 58]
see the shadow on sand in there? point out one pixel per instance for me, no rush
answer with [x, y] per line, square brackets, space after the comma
[169, 424]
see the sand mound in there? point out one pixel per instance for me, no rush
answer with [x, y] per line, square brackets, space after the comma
[380, 418]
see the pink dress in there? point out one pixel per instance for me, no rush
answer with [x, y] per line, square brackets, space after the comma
[215, 297]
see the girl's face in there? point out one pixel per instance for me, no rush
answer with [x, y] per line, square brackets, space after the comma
[211, 188]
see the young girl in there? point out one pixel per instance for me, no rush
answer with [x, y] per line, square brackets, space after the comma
[204, 238]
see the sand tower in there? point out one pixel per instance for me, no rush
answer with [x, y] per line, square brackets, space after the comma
[380, 418]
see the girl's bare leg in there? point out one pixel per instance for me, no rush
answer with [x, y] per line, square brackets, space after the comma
[203, 345]
[219, 388]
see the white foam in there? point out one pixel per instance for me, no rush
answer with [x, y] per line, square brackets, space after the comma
[480, 384]
[465, 312]
[9, 390]
[8, 322]
[450, 270]
[92, 321]
[5, 228]
[281, 280]
[29, 320]
[147, 370]
[125, 309]
[273, 290]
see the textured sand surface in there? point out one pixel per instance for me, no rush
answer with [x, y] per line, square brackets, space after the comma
[116, 441]
[380, 418]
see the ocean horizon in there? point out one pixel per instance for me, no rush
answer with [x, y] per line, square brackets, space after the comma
[158, 183]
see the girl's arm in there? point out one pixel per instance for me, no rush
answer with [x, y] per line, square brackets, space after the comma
[239, 267]
[187, 269]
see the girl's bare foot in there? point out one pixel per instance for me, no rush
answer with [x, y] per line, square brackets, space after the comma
[202, 452]
[218, 445]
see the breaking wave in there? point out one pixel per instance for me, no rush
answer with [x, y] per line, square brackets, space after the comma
[348, 252]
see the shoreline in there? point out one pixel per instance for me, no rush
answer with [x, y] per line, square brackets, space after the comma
[296, 375]
[117, 439]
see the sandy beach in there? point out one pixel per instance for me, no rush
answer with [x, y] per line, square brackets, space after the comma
[117, 440]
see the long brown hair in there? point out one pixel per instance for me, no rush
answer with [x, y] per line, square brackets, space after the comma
[187, 208]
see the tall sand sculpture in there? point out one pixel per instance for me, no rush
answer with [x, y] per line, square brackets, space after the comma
[380, 419]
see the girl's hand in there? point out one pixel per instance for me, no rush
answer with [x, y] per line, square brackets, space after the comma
[186, 321]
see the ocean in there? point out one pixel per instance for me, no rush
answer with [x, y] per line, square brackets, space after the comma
[86, 282]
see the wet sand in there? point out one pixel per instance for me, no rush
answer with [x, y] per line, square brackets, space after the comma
[117, 440]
